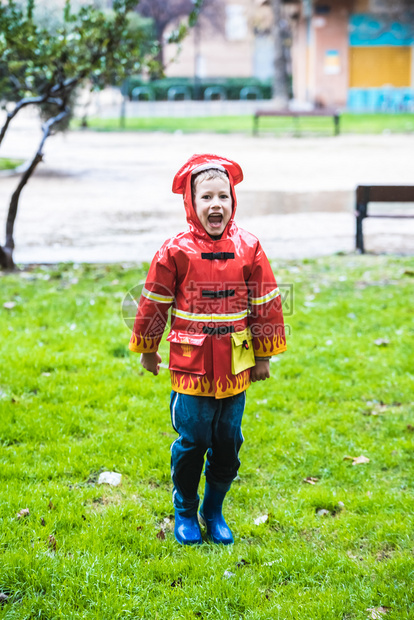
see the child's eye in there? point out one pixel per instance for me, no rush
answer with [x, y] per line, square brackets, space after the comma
[206, 196]
[224, 196]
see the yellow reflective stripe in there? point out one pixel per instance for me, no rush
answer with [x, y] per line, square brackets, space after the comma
[258, 301]
[218, 318]
[162, 299]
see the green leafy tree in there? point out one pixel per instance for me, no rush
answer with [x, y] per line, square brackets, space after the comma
[166, 13]
[44, 67]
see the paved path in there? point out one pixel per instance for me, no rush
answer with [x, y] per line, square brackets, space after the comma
[106, 196]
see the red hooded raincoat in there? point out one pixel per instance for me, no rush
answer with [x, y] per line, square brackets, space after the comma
[226, 306]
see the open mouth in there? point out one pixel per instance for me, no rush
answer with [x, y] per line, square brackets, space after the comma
[215, 220]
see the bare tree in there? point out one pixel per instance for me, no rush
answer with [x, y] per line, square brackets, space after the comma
[281, 90]
[395, 11]
[166, 13]
[402, 10]
[398, 11]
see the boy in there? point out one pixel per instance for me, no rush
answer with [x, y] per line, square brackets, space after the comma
[226, 323]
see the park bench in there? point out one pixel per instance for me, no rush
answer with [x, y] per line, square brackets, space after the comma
[297, 114]
[379, 193]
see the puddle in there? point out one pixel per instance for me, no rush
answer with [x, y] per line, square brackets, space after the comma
[282, 203]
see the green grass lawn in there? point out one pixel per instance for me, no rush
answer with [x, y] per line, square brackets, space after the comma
[74, 402]
[9, 164]
[350, 123]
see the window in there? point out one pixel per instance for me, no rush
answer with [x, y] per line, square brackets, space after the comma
[236, 22]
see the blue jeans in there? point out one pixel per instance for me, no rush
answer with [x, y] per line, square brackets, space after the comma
[204, 424]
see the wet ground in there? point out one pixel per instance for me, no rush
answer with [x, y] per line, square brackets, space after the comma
[107, 196]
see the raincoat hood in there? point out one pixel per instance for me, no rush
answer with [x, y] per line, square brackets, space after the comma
[182, 185]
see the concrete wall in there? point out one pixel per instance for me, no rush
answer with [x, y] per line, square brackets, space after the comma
[331, 67]
[320, 54]
[229, 53]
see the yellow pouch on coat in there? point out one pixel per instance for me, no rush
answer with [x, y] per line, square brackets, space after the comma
[242, 353]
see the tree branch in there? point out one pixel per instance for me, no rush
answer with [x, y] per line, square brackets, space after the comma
[21, 104]
[67, 84]
[14, 202]
[6, 259]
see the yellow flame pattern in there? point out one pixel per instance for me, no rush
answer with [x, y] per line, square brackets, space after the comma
[143, 344]
[201, 386]
[234, 385]
[191, 384]
[264, 347]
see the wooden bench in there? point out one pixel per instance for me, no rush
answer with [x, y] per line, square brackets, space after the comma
[296, 114]
[379, 193]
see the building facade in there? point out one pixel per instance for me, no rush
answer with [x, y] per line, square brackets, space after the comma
[381, 60]
[355, 54]
[235, 44]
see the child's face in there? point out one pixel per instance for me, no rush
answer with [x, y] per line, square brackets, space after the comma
[213, 204]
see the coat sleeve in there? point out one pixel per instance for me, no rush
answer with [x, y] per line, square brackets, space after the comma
[156, 298]
[265, 304]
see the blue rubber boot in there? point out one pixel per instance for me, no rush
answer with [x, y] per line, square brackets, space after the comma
[187, 530]
[211, 516]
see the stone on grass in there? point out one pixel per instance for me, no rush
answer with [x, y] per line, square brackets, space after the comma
[110, 477]
[228, 574]
[261, 519]
[23, 513]
[323, 512]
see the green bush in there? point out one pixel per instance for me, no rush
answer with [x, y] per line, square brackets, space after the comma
[231, 86]
[9, 164]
